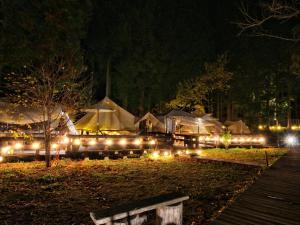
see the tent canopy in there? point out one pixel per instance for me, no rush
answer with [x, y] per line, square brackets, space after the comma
[19, 115]
[116, 118]
[178, 121]
[157, 125]
[212, 124]
[237, 127]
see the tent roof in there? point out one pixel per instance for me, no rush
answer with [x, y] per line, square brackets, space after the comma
[237, 127]
[19, 115]
[115, 119]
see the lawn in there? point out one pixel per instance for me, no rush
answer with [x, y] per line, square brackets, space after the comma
[244, 155]
[66, 193]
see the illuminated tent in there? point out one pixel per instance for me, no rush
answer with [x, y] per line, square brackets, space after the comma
[178, 121]
[212, 124]
[116, 118]
[154, 124]
[13, 115]
[237, 127]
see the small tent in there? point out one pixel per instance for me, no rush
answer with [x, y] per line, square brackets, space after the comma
[19, 116]
[237, 127]
[212, 124]
[178, 121]
[150, 123]
[115, 119]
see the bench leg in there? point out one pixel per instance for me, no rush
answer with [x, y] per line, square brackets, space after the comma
[169, 215]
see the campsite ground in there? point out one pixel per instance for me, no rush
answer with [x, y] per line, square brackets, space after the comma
[256, 156]
[66, 193]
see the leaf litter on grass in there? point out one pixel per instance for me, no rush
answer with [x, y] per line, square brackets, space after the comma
[65, 194]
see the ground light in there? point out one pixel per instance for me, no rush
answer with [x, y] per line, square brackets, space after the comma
[291, 140]
[155, 154]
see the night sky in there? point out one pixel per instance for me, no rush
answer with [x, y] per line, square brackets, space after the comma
[149, 47]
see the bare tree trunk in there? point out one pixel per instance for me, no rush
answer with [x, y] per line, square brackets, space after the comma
[47, 136]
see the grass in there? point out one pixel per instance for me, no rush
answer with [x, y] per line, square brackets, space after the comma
[254, 155]
[66, 193]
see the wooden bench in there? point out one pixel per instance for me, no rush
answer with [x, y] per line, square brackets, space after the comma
[168, 208]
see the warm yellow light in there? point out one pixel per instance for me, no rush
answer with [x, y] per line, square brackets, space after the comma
[92, 142]
[166, 153]
[1, 158]
[199, 152]
[18, 145]
[242, 140]
[234, 140]
[137, 141]
[249, 139]
[131, 152]
[201, 138]
[187, 152]
[116, 152]
[216, 138]
[5, 149]
[152, 142]
[66, 140]
[207, 139]
[35, 145]
[262, 140]
[108, 142]
[123, 142]
[179, 152]
[54, 146]
[77, 141]
[194, 139]
[260, 127]
[155, 154]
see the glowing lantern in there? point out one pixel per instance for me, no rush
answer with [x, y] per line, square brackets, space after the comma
[155, 154]
[77, 141]
[5, 149]
[54, 146]
[66, 140]
[261, 140]
[152, 142]
[35, 145]
[108, 142]
[92, 142]
[123, 142]
[137, 141]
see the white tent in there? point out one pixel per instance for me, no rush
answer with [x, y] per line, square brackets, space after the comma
[155, 124]
[212, 124]
[116, 118]
[178, 121]
[237, 127]
[11, 114]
